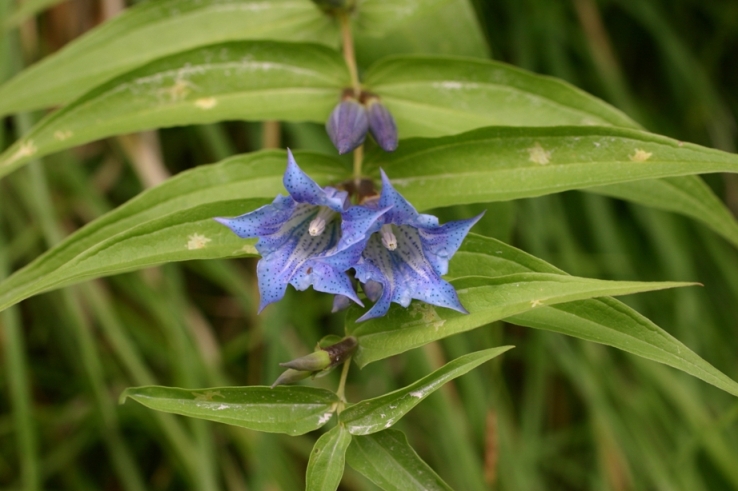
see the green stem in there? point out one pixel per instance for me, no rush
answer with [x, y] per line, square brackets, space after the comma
[341, 392]
[348, 52]
[350, 56]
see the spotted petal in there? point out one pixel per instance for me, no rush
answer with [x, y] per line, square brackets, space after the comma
[404, 273]
[304, 190]
[402, 212]
[441, 243]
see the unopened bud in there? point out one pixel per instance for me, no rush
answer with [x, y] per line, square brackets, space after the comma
[313, 362]
[382, 125]
[290, 377]
[340, 302]
[347, 125]
[372, 289]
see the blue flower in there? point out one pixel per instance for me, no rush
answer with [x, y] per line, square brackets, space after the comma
[299, 237]
[406, 254]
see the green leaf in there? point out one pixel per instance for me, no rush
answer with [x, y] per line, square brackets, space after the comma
[240, 80]
[155, 29]
[486, 299]
[373, 415]
[327, 460]
[387, 27]
[292, 410]
[438, 95]
[689, 196]
[602, 320]
[388, 460]
[495, 164]
[171, 222]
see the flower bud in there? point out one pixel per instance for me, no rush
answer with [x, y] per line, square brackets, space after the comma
[313, 362]
[290, 376]
[340, 302]
[347, 125]
[382, 125]
[372, 289]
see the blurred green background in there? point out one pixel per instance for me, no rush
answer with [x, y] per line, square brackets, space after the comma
[555, 413]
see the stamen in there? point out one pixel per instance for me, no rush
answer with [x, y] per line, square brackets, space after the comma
[388, 238]
[317, 226]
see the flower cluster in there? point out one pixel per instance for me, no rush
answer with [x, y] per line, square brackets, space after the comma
[314, 236]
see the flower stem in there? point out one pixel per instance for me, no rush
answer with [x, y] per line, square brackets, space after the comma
[350, 56]
[341, 392]
[358, 158]
[348, 51]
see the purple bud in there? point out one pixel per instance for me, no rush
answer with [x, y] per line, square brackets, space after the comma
[341, 302]
[373, 290]
[347, 126]
[382, 125]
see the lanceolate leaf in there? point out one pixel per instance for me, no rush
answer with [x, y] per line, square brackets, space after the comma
[487, 300]
[171, 222]
[502, 163]
[155, 29]
[688, 195]
[388, 460]
[602, 320]
[239, 80]
[387, 27]
[492, 164]
[291, 410]
[439, 96]
[373, 415]
[327, 460]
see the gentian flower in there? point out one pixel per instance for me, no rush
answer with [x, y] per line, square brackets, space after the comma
[299, 235]
[406, 254]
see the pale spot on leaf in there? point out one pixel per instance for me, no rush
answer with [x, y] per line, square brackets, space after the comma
[417, 394]
[535, 303]
[177, 92]
[426, 314]
[538, 154]
[206, 103]
[197, 241]
[63, 135]
[325, 418]
[640, 155]
[26, 149]
[207, 395]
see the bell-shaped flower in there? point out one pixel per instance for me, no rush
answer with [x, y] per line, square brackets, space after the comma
[406, 254]
[299, 235]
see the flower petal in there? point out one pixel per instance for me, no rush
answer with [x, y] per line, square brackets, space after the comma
[263, 221]
[404, 273]
[441, 243]
[402, 212]
[304, 190]
[359, 222]
[289, 250]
